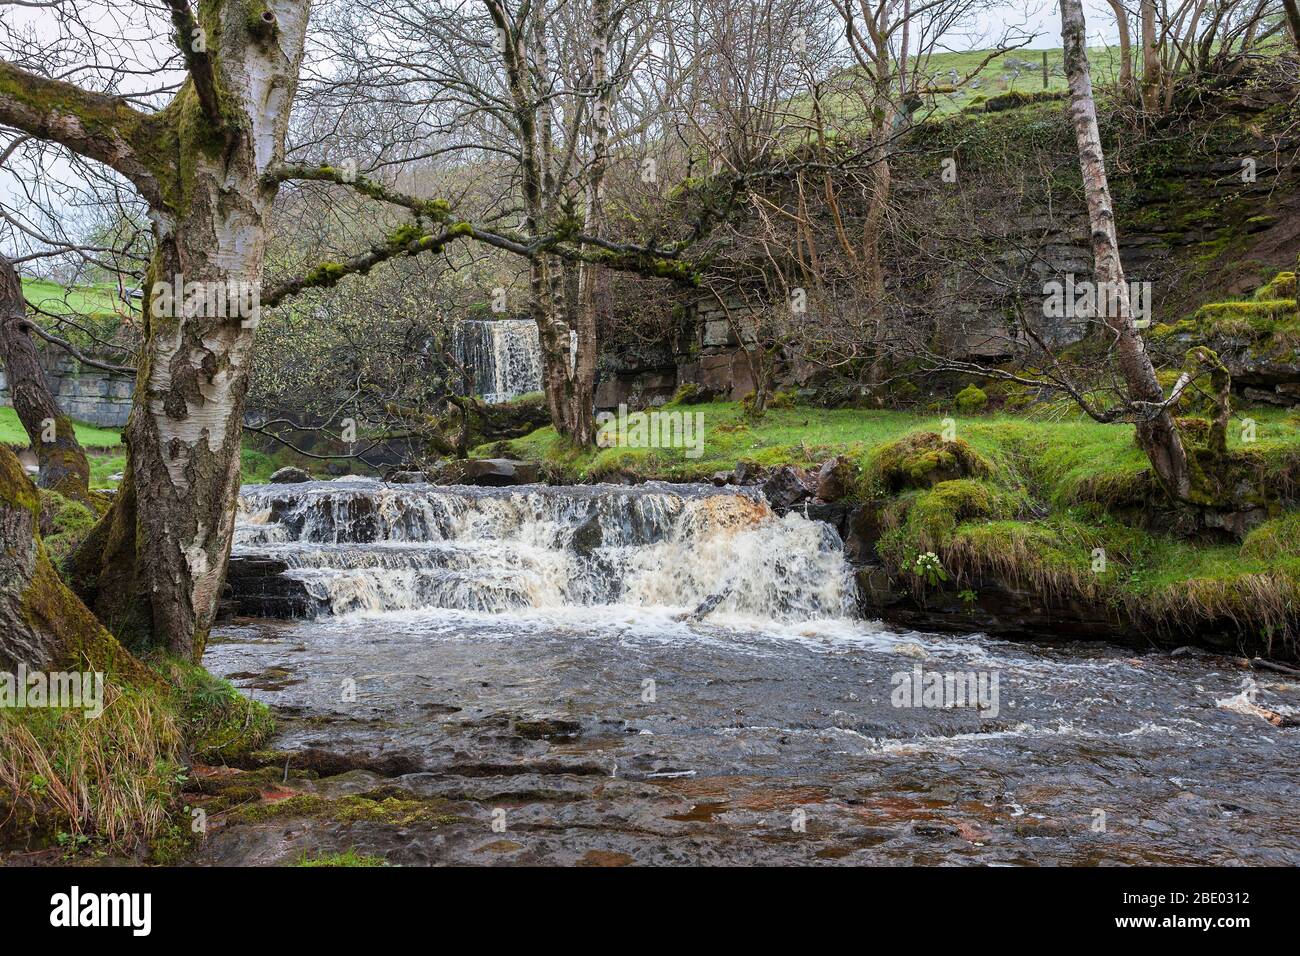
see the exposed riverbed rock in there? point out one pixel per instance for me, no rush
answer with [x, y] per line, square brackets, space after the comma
[835, 478]
[747, 473]
[788, 486]
[546, 727]
[259, 588]
[499, 472]
[406, 477]
[289, 475]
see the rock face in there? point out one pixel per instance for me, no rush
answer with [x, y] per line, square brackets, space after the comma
[834, 479]
[1174, 212]
[84, 393]
[258, 588]
[289, 476]
[491, 472]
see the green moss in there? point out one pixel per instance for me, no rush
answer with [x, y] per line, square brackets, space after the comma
[971, 399]
[924, 459]
[1281, 286]
[1248, 317]
[926, 520]
[63, 524]
[347, 858]
[326, 274]
[380, 808]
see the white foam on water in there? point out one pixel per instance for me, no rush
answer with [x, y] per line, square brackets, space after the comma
[375, 548]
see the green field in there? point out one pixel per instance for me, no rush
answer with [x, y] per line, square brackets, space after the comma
[90, 436]
[1019, 71]
[89, 300]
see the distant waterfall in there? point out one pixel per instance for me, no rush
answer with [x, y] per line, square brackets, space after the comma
[359, 545]
[504, 356]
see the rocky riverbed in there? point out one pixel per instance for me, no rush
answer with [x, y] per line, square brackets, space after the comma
[655, 675]
[536, 738]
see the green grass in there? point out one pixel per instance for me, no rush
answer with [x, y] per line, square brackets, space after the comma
[994, 80]
[88, 300]
[107, 454]
[90, 436]
[1073, 458]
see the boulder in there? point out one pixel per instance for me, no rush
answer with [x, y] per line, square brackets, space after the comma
[835, 479]
[787, 487]
[406, 478]
[498, 472]
[587, 537]
[289, 476]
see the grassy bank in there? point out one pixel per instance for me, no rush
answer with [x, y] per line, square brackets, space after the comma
[112, 785]
[1066, 508]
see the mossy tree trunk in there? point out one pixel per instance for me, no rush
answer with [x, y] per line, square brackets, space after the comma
[153, 568]
[1157, 434]
[42, 623]
[63, 465]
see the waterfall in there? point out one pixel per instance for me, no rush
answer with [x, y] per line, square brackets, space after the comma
[504, 356]
[362, 545]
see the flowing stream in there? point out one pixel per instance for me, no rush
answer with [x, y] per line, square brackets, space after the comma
[674, 674]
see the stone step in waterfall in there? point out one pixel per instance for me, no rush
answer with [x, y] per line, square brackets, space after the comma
[330, 548]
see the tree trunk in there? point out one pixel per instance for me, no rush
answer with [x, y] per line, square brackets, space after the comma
[42, 624]
[1125, 47]
[1151, 81]
[62, 461]
[1293, 20]
[155, 565]
[570, 397]
[1156, 432]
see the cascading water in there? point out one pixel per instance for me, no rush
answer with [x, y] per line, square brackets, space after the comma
[667, 671]
[504, 356]
[359, 545]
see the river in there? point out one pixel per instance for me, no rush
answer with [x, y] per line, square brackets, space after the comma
[674, 675]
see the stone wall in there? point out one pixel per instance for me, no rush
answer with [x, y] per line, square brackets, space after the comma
[85, 394]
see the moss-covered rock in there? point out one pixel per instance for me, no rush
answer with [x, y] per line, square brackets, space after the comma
[380, 808]
[923, 460]
[971, 399]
